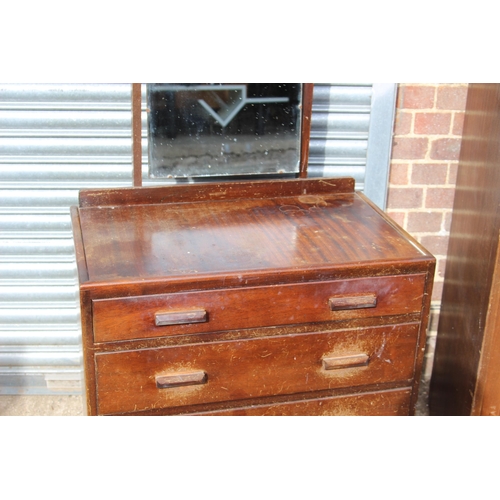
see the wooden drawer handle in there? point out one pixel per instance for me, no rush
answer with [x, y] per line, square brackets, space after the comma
[353, 301]
[179, 379]
[352, 361]
[166, 318]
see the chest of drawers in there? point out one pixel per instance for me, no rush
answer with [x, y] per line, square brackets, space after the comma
[294, 297]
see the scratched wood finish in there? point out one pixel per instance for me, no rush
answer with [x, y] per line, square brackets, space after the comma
[471, 257]
[134, 317]
[487, 395]
[380, 404]
[213, 191]
[287, 233]
[283, 257]
[126, 381]
[305, 133]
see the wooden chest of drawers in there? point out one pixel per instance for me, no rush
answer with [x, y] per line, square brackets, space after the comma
[291, 297]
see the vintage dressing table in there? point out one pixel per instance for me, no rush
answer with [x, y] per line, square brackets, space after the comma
[249, 297]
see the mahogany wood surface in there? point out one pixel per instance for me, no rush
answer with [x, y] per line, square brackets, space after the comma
[471, 256]
[81, 261]
[185, 316]
[349, 361]
[363, 300]
[136, 242]
[126, 381]
[181, 379]
[135, 317]
[307, 100]
[251, 333]
[383, 404]
[287, 289]
[486, 400]
[213, 191]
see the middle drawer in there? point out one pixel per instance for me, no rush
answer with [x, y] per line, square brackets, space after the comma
[184, 313]
[210, 372]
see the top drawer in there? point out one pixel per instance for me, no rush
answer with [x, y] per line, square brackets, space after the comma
[252, 307]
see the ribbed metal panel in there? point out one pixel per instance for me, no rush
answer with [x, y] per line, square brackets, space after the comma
[339, 131]
[54, 140]
[351, 134]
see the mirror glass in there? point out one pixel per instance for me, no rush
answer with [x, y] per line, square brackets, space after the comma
[223, 129]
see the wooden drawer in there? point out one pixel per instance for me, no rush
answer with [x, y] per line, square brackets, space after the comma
[129, 381]
[251, 307]
[384, 403]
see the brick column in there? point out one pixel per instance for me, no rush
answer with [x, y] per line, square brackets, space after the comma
[426, 147]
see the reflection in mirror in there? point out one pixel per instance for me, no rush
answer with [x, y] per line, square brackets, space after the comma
[221, 129]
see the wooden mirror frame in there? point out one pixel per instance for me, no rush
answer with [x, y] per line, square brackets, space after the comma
[307, 97]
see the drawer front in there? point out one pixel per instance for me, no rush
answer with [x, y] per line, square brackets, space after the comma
[147, 379]
[252, 307]
[383, 404]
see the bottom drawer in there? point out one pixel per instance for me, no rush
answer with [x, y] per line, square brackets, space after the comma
[176, 376]
[383, 404]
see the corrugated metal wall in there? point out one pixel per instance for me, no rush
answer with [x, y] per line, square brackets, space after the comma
[351, 134]
[56, 139]
[339, 131]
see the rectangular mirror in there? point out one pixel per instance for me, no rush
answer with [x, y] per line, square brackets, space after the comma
[200, 130]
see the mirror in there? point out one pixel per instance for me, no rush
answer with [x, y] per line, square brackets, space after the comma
[224, 129]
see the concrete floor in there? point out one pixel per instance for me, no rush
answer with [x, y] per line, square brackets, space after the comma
[16, 406]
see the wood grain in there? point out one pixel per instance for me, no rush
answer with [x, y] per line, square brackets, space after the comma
[253, 368]
[262, 264]
[486, 400]
[287, 233]
[341, 362]
[383, 403]
[307, 101]
[470, 261]
[182, 317]
[353, 301]
[252, 307]
[180, 379]
[214, 191]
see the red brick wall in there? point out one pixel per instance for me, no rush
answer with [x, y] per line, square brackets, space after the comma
[426, 147]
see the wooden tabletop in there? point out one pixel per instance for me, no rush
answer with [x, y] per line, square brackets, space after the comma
[296, 232]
